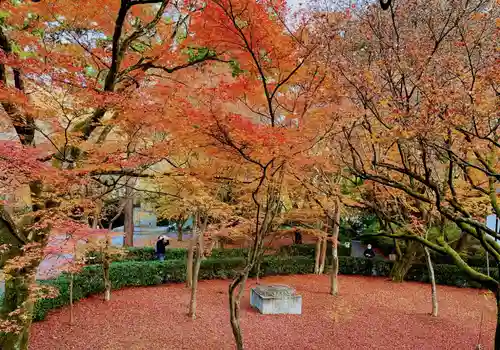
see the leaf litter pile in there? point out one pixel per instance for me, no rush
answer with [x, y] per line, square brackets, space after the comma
[369, 313]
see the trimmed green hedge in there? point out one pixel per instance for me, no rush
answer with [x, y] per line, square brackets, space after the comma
[137, 254]
[445, 274]
[310, 250]
[148, 253]
[145, 273]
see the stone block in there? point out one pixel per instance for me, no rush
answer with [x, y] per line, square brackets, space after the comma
[275, 300]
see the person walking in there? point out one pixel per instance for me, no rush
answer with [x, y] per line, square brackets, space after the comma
[370, 254]
[298, 237]
[161, 245]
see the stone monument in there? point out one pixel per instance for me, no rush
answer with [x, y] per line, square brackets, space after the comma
[275, 300]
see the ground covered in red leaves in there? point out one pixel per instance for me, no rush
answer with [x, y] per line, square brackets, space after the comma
[370, 313]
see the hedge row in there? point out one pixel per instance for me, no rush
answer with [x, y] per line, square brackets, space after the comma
[145, 273]
[148, 253]
[444, 274]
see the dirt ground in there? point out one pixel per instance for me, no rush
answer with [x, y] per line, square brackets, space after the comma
[370, 313]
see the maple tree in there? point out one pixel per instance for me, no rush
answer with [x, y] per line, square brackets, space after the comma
[72, 73]
[102, 100]
[275, 123]
[425, 84]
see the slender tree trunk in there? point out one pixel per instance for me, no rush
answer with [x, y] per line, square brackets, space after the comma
[189, 262]
[107, 281]
[105, 267]
[238, 285]
[433, 282]
[323, 255]
[196, 270]
[190, 252]
[180, 223]
[258, 271]
[334, 288]
[128, 226]
[317, 255]
[71, 313]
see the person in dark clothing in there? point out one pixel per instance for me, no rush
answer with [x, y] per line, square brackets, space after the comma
[298, 237]
[369, 253]
[161, 244]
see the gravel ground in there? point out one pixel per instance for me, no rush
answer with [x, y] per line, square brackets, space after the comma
[370, 313]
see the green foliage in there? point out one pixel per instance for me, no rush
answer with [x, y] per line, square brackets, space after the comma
[199, 53]
[146, 273]
[148, 253]
[137, 254]
[309, 250]
[235, 68]
[275, 265]
[3, 16]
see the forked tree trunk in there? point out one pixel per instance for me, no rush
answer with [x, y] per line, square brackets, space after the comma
[433, 282]
[237, 286]
[196, 270]
[323, 255]
[317, 255]
[334, 288]
[408, 258]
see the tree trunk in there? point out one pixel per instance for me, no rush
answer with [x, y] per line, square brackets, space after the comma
[128, 226]
[433, 282]
[17, 297]
[397, 248]
[18, 303]
[258, 272]
[334, 288]
[403, 265]
[180, 223]
[234, 306]
[323, 255]
[195, 272]
[107, 281]
[189, 263]
[71, 314]
[317, 256]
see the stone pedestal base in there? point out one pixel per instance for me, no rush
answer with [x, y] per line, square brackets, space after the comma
[275, 300]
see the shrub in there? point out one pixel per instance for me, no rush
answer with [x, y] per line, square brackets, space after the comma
[146, 273]
[310, 250]
[137, 254]
[148, 253]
